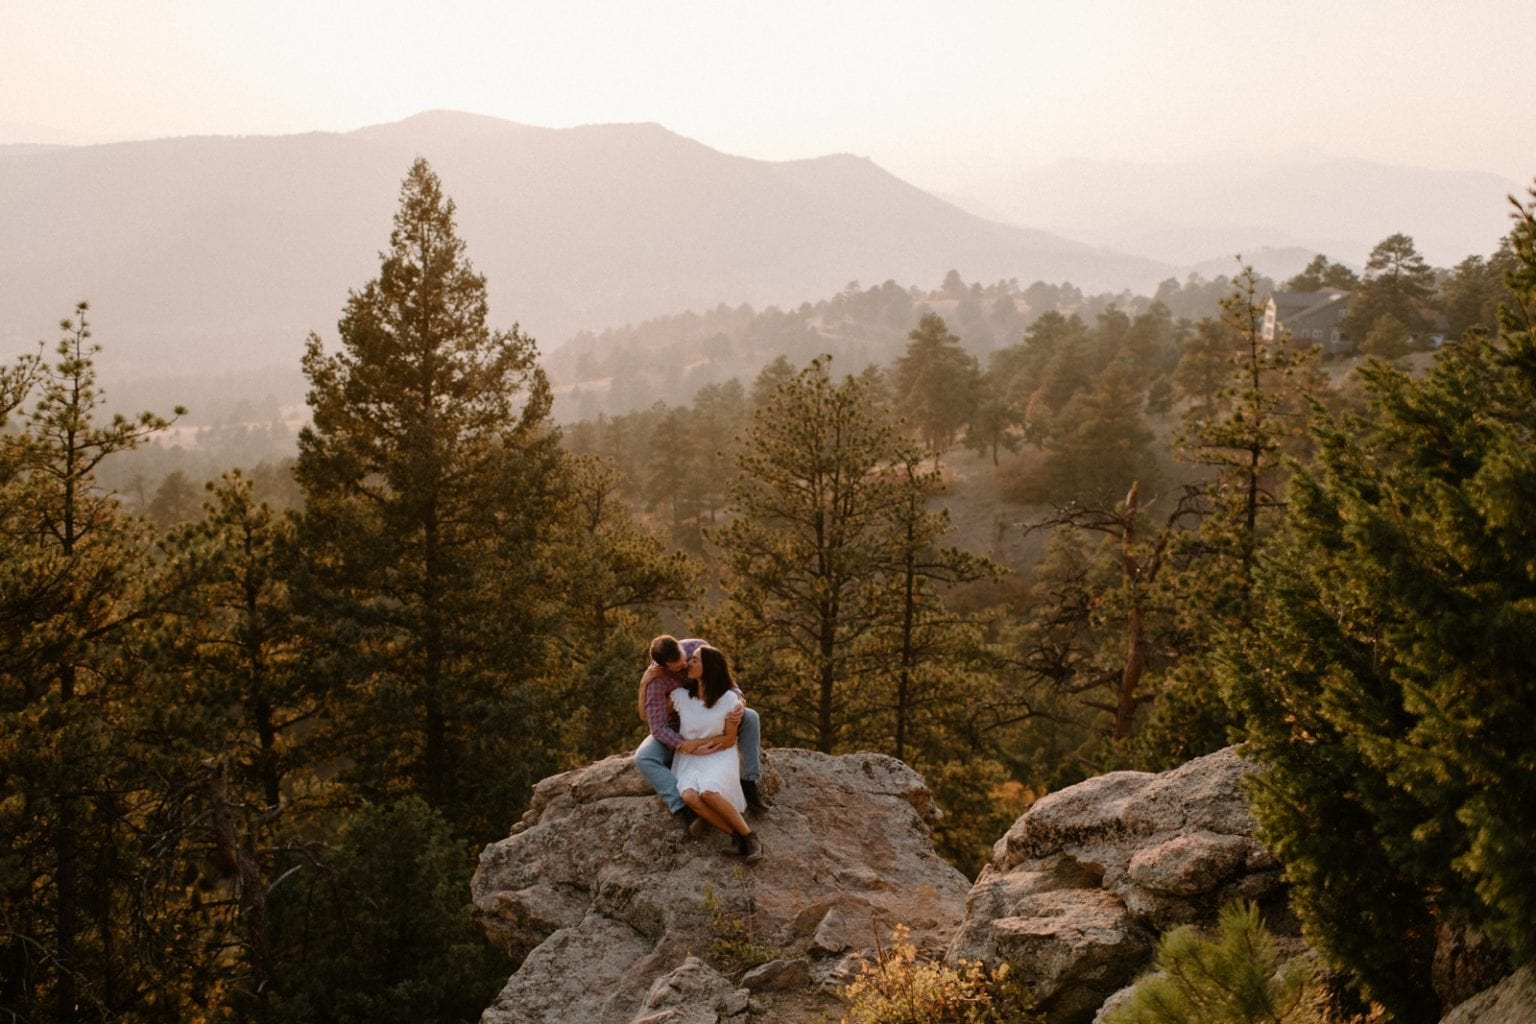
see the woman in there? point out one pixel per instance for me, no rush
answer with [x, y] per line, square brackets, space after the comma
[711, 783]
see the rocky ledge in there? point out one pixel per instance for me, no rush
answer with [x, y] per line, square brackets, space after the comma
[1085, 881]
[617, 916]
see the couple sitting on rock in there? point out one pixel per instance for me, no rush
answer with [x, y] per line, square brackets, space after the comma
[699, 722]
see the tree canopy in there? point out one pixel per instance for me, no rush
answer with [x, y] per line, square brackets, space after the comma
[1387, 688]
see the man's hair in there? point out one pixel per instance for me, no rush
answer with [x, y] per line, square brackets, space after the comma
[665, 649]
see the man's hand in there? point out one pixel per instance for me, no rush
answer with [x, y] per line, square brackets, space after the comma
[737, 713]
[708, 745]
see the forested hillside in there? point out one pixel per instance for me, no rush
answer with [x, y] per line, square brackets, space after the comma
[627, 369]
[253, 734]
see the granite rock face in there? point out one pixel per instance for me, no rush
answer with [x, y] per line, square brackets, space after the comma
[1511, 1001]
[1083, 883]
[616, 915]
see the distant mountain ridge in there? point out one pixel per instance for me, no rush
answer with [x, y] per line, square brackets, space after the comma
[217, 253]
[1193, 211]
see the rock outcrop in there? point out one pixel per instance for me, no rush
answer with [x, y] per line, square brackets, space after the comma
[1083, 883]
[617, 916]
[1511, 1001]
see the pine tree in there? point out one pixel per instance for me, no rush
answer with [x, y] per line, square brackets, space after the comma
[1254, 424]
[176, 501]
[935, 383]
[996, 423]
[1472, 292]
[832, 570]
[1039, 375]
[804, 553]
[382, 934]
[236, 634]
[432, 477]
[1204, 367]
[1235, 976]
[1100, 445]
[924, 649]
[1321, 273]
[1388, 689]
[74, 583]
[669, 483]
[1150, 343]
[719, 414]
[619, 568]
[235, 732]
[1397, 283]
[1121, 591]
[1242, 438]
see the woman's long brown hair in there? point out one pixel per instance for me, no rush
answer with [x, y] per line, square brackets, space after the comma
[716, 677]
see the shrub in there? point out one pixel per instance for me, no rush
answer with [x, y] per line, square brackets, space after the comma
[733, 947]
[1233, 977]
[901, 987]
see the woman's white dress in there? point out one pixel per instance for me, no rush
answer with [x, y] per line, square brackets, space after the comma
[719, 772]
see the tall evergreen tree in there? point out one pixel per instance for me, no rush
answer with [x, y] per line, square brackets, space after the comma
[1242, 440]
[1397, 283]
[1150, 343]
[833, 573]
[1257, 420]
[1321, 273]
[1388, 689]
[719, 414]
[935, 383]
[924, 648]
[804, 553]
[1472, 292]
[234, 727]
[619, 567]
[1122, 588]
[1204, 367]
[1102, 444]
[73, 583]
[996, 423]
[432, 475]
[235, 632]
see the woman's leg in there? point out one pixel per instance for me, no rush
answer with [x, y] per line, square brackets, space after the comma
[723, 809]
[747, 843]
[701, 806]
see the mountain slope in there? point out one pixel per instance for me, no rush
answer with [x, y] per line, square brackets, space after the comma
[1199, 210]
[223, 252]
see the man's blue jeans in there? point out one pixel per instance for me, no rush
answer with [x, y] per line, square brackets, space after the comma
[655, 761]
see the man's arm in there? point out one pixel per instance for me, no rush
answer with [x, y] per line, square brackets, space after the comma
[656, 717]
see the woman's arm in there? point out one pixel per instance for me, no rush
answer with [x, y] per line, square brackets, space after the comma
[720, 741]
[732, 721]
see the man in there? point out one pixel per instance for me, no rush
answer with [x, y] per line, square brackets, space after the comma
[669, 670]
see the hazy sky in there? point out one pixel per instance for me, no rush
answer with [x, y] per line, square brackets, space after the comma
[938, 93]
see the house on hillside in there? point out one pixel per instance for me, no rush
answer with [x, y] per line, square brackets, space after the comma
[1309, 318]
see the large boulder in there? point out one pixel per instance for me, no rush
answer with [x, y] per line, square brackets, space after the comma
[1511, 1001]
[615, 915]
[1080, 887]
